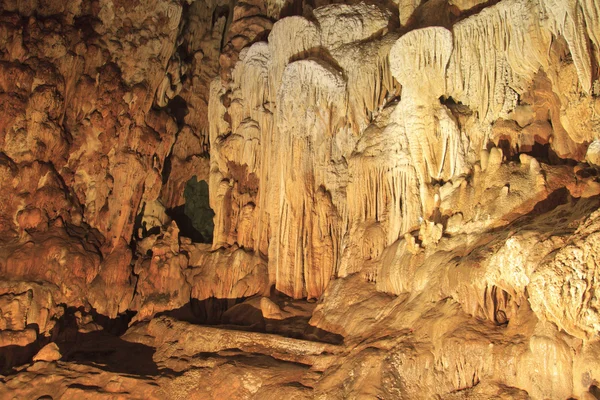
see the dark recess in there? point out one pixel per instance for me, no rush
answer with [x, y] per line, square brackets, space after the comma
[195, 217]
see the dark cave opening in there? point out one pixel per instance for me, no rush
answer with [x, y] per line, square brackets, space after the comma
[195, 217]
[238, 314]
[178, 108]
[540, 150]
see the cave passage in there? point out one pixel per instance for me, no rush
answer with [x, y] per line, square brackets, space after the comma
[195, 217]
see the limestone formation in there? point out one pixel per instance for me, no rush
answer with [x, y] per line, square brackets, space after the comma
[269, 199]
[48, 353]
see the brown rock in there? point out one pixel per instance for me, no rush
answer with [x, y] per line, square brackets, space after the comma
[48, 353]
[416, 194]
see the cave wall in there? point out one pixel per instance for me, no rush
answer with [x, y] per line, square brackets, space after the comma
[321, 162]
[426, 171]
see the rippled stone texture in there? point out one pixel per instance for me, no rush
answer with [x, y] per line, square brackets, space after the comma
[404, 198]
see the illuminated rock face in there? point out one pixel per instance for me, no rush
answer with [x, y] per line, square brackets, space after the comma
[339, 173]
[403, 199]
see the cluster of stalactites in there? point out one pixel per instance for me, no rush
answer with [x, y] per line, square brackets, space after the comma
[288, 177]
[495, 53]
[578, 21]
[288, 120]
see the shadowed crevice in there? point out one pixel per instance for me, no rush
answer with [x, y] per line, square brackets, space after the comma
[218, 313]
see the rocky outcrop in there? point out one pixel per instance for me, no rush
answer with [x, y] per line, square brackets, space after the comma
[87, 134]
[267, 100]
[346, 176]
[403, 199]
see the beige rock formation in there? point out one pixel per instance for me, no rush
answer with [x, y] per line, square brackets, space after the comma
[405, 199]
[48, 353]
[266, 75]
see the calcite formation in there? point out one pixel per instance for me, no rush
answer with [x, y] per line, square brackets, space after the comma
[300, 199]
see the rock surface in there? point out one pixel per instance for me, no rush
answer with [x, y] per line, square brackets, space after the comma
[300, 199]
[48, 353]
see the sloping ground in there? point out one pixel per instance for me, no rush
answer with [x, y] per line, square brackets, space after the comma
[419, 344]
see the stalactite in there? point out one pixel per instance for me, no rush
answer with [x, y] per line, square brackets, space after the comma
[496, 53]
[291, 39]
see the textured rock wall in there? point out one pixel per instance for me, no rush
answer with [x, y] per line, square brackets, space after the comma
[104, 121]
[339, 171]
[82, 148]
[427, 172]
